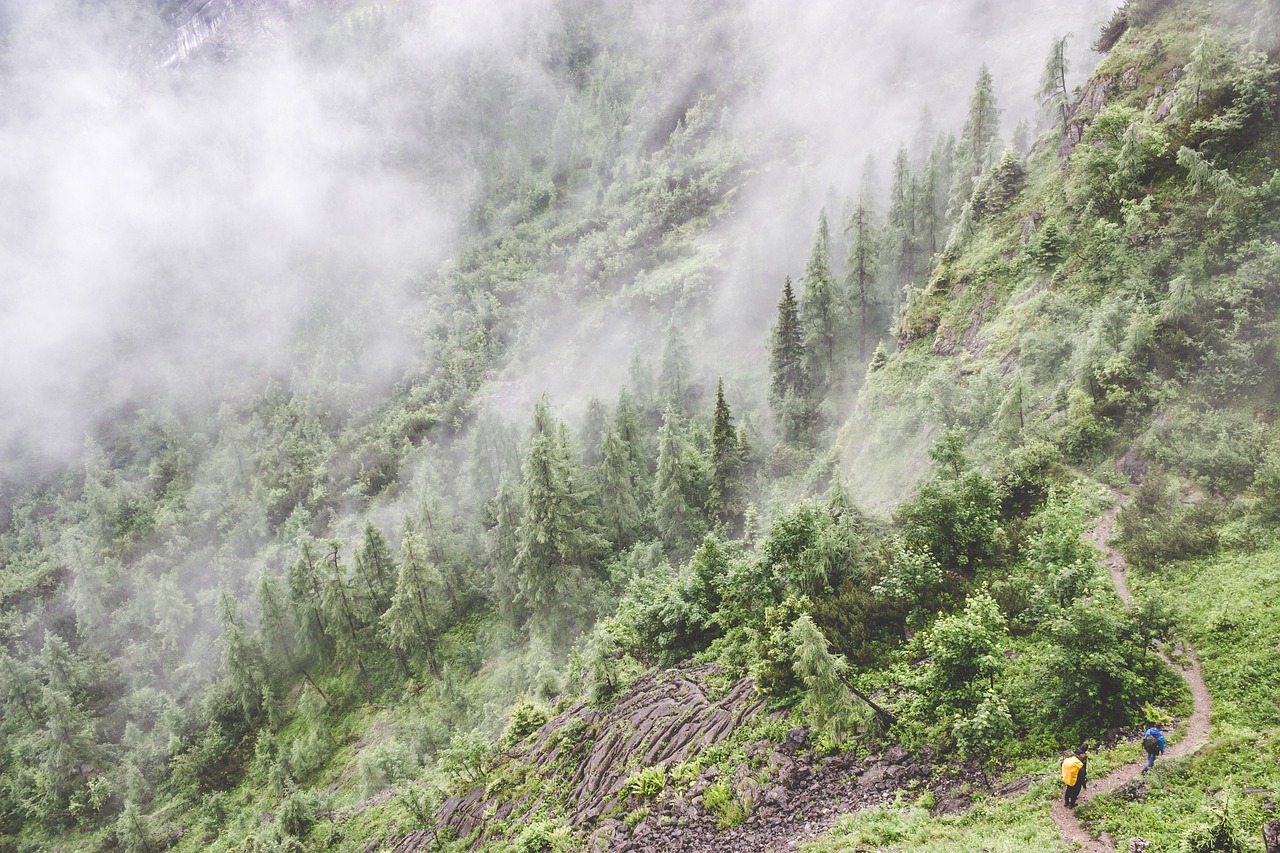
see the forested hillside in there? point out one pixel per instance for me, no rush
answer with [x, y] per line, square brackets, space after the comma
[532, 436]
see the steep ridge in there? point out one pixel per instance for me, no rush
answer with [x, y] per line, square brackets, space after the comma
[1193, 736]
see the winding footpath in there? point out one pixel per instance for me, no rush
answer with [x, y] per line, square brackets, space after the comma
[1194, 735]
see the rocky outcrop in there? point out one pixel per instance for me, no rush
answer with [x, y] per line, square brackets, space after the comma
[782, 793]
[222, 27]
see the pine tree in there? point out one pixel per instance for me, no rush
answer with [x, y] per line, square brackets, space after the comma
[173, 614]
[504, 544]
[558, 544]
[863, 266]
[726, 465]
[820, 312]
[591, 438]
[279, 629]
[66, 744]
[979, 144]
[19, 685]
[826, 698]
[1053, 82]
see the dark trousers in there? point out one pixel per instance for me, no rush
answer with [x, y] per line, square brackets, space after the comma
[1072, 793]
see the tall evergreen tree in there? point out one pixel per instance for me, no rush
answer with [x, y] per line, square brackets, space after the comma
[674, 383]
[417, 610]
[348, 612]
[788, 384]
[678, 523]
[558, 543]
[863, 269]
[376, 568]
[979, 144]
[726, 465]
[305, 582]
[243, 662]
[618, 491]
[1054, 98]
[903, 225]
[821, 312]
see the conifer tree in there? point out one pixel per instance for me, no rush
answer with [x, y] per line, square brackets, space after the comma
[279, 629]
[348, 613]
[826, 697]
[416, 614]
[726, 465]
[591, 438]
[863, 265]
[173, 614]
[678, 523]
[306, 596]
[558, 543]
[979, 143]
[618, 491]
[903, 224]
[376, 568]
[504, 544]
[630, 428]
[1054, 98]
[66, 744]
[242, 660]
[674, 384]
[788, 384]
[934, 193]
[19, 685]
[821, 312]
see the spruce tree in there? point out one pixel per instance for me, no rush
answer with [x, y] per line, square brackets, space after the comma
[726, 465]
[821, 312]
[788, 384]
[306, 596]
[674, 384]
[979, 143]
[348, 613]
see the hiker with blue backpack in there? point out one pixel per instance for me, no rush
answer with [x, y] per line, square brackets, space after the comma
[1153, 743]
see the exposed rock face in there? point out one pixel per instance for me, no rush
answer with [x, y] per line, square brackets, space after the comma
[222, 27]
[582, 760]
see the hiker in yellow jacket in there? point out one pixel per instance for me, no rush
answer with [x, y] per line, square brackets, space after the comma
[1074, 775]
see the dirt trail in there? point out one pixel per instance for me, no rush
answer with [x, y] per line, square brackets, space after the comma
[1193, 736]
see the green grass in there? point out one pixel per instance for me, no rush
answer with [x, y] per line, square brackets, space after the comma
[996, 825]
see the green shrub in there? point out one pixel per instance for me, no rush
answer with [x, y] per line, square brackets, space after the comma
[384, 764]
[729, 810]
[526, 718]
[645, 784]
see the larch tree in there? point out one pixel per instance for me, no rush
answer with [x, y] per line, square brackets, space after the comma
[903, 227]
[416, 615]
[673, 378]
[979, 143]
[243, 662]
[1054, 98]
[376, 568]
[305, 582]
[863, 267]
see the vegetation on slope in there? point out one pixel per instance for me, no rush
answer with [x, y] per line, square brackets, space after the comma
[377, 583]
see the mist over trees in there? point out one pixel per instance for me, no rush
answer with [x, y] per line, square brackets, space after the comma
[471, 378]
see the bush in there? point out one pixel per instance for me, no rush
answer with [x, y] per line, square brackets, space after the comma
[645, 784]
[526, 718]
[384, 764]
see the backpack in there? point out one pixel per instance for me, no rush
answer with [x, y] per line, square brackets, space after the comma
[1151, 743]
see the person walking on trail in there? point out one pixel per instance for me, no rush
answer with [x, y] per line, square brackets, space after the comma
[1074, 776]
[1153, 743]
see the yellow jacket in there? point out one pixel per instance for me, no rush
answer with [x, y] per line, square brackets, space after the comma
[1071, 769]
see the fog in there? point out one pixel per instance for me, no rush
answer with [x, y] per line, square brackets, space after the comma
[172, 220]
